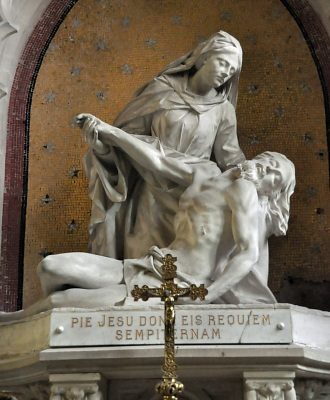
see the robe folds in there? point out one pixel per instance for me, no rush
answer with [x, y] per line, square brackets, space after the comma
[133, 209]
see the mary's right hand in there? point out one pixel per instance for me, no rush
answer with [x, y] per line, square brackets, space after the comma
[89, 124]
[80, 119]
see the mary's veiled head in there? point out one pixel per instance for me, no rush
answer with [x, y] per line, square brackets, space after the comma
[220, 44]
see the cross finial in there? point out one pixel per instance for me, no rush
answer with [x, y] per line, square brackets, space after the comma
[169, 291]
[169, 287]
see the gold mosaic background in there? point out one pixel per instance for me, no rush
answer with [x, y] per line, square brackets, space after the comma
[105, 50]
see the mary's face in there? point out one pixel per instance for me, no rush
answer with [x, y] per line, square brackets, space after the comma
[218, 68]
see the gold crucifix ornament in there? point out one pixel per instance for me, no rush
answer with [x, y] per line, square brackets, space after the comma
[169, 291]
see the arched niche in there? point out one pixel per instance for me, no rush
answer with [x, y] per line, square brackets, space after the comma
[92, 55]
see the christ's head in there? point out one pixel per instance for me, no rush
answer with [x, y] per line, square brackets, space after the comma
[274, 177]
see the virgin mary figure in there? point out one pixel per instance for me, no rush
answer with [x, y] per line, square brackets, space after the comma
[187, 112]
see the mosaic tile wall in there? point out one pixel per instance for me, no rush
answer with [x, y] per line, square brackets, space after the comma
[105, 50]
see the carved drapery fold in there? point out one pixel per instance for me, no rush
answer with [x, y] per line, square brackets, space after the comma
[7, 9]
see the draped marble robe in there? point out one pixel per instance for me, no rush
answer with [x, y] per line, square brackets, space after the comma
[133, 209]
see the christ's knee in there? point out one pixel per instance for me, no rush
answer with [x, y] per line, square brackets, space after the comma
[46, 266]
[49, 274]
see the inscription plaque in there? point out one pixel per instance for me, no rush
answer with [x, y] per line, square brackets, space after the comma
[145, 326]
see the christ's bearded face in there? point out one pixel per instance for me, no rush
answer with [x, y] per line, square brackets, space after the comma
[248, 170]
[274, 176]
[264, 173]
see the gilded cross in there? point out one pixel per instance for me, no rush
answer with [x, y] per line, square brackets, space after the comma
[169, 291]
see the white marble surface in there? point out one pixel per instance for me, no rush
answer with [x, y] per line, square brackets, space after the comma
[218, 214]
[26, 354]
[203, 325]
[25, 18]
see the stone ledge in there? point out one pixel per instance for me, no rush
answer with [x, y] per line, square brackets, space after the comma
[29, 347]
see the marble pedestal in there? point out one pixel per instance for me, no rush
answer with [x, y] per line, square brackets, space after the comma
[223, 352]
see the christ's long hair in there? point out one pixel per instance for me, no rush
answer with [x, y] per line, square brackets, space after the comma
[278, 207]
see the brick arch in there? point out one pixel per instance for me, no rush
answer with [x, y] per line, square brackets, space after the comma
[318, 42]
[17, 151]
[13, 228]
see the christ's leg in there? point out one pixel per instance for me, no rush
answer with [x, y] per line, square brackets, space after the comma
[89, 298]
[80, 298]
[78, 270]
